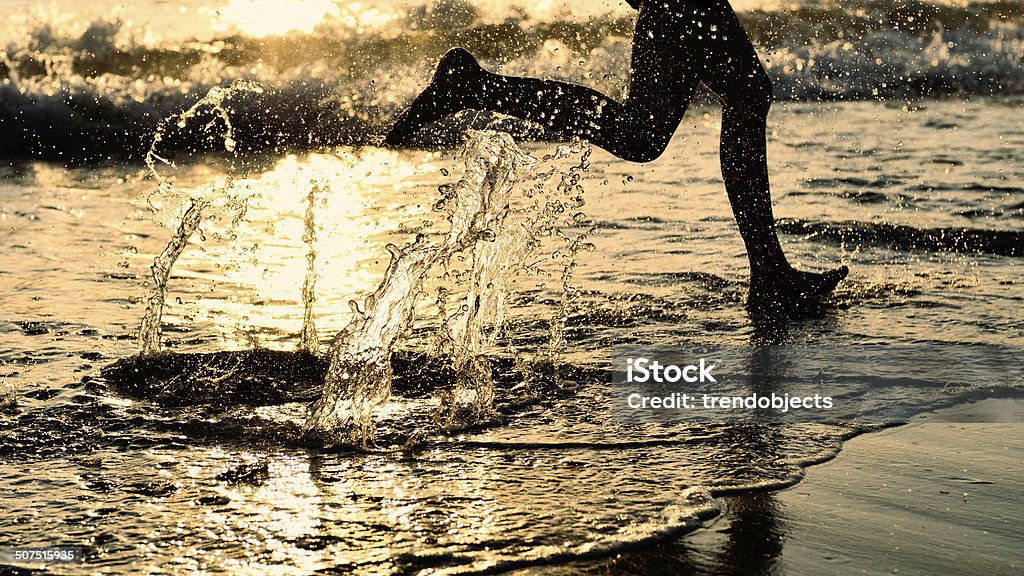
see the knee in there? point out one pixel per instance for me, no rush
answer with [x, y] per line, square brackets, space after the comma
[644, 151]
[640, 133]
[644, 144]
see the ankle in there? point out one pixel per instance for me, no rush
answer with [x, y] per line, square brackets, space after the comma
[769, 268]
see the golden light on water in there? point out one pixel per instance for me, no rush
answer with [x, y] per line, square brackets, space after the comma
[255, 279]
[266, 17]
[261, 18]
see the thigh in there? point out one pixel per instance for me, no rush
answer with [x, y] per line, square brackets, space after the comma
[697, 40]
[663, 75]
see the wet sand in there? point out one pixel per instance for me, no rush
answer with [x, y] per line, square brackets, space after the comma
[934, 497]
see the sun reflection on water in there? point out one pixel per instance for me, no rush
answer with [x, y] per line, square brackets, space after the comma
[260, 18]
[249, 284]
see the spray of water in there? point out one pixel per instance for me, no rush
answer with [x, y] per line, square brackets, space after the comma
[575, 233]
[555, 221]
[359, 372]
[194, 205]
[495, 236]
[468, 334]
[308, 340]
[149, 331]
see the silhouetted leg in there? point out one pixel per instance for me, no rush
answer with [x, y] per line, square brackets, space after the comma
[730, 68]
[637, 129]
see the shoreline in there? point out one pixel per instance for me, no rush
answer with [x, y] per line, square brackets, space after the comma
[933, 496]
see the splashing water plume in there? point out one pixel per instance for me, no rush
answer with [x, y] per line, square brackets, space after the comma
[193, 205]
[513, 236]
[569, 186]
[468, 333]
[308, 340]
[359, 373]
[149, 331]
[495, 234]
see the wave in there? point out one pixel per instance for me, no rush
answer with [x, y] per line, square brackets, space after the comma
[96, 94]
[900, 237]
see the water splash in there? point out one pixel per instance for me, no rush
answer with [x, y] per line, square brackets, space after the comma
[194, 206]
[308, 340]
[543, 211]
[556, 223]
[505, 242]
[212, 101]
[149, 331]
[359, 373]
[570, 188]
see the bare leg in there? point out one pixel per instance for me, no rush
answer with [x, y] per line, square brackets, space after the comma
[732, 70]
[675, 46]
[637, 129]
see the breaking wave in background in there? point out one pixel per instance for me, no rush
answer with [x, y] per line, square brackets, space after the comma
[80, 90]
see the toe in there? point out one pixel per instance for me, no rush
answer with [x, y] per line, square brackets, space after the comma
[831, 279]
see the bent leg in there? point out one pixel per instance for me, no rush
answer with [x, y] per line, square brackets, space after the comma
[637, 129]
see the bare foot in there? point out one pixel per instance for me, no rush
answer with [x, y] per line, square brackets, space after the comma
[792, 288]
[446, 95]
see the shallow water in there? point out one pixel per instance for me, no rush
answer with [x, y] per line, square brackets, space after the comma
[221, 488]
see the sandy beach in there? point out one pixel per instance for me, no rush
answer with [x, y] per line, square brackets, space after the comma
[931, 497]
[936, 496]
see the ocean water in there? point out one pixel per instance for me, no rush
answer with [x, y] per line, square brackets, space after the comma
[917, 188]
[89, 84]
